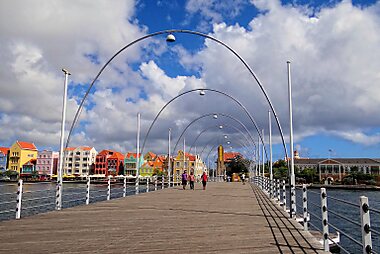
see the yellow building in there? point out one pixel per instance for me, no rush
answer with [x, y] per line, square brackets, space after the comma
[20, 153]
[192, 163]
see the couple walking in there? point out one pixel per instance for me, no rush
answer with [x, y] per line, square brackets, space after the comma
[191, 179]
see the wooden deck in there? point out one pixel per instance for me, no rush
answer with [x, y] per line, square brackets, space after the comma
[226, 218]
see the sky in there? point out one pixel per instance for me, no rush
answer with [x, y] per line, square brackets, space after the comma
[333, 47]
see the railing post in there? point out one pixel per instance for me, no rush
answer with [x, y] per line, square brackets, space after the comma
[109, 188]
[147, 184]
[366, 225]
[305, 211]
[88, 191]
[58, 198]
[155, 183]
[125, 187]
[162, 182]
[271, 188]
[325, 225]
[137, 184]
[284, 195]
[19, 199]
[278, 191]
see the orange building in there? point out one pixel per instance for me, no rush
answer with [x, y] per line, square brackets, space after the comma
[109, 162]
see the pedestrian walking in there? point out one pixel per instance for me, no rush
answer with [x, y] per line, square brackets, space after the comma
[243, 178]
[191, 180]
[184, 179]
[204, 180]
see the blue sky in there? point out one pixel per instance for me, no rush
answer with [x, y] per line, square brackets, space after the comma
[333, 47]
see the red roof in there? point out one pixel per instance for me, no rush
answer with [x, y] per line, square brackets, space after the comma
[190, 156]
[117, 155]
[130, 154]
[70, 149]
[152, 155]
[85, 148]
[26, 145]
[4, 150]
[231, 155]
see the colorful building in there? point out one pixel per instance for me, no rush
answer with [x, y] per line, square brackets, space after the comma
[153, 164]
[188, 162]
[4, 155]
[47, 163]
[28, 170]
[130, 163]
[109, 162]
[21, 153]
[78, 161]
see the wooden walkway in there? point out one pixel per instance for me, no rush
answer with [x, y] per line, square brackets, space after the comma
[226, 218]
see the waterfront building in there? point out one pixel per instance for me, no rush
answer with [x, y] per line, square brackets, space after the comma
[4, 155]
[130, 163]
[153, 164]
[28, 169]
[47, 163]
[188, 162]
[337, 168]
[20, 153]
[109, 162]
[78, 161]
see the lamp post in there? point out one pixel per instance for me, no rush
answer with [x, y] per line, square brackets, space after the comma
[292, 176]
[58, 203]
[169, 157]
[137, 155]
[270, 156]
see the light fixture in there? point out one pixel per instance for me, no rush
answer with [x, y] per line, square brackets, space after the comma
[220, 126]
[228, 142]
[202, 92]
[225, 136]
[170, 38]
[215, 116]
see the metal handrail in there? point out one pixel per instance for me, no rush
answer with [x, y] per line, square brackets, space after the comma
[72, 194]
[338, 244]
[345, 202]
[346, 235]
[75, 200]
[37, 191]
[345, 218]
[70, 188]
[38, 206]
[314, 192]
[316, 216]
[34, 199]
[8, 202]
[7, 211]
[374, 210]
[8, 193]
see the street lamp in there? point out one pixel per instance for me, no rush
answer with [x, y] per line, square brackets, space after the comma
[170, 38]
[58, 203]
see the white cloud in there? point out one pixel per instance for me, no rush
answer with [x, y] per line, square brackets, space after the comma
[37, 39]
[334, 68]
[334, 56]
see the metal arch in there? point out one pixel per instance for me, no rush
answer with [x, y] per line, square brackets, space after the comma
[226, 125]
[211, 90]
[240, 143]
[206, 115]
[77, 114]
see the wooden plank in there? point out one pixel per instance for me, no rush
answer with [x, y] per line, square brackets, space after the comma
[226, 218]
